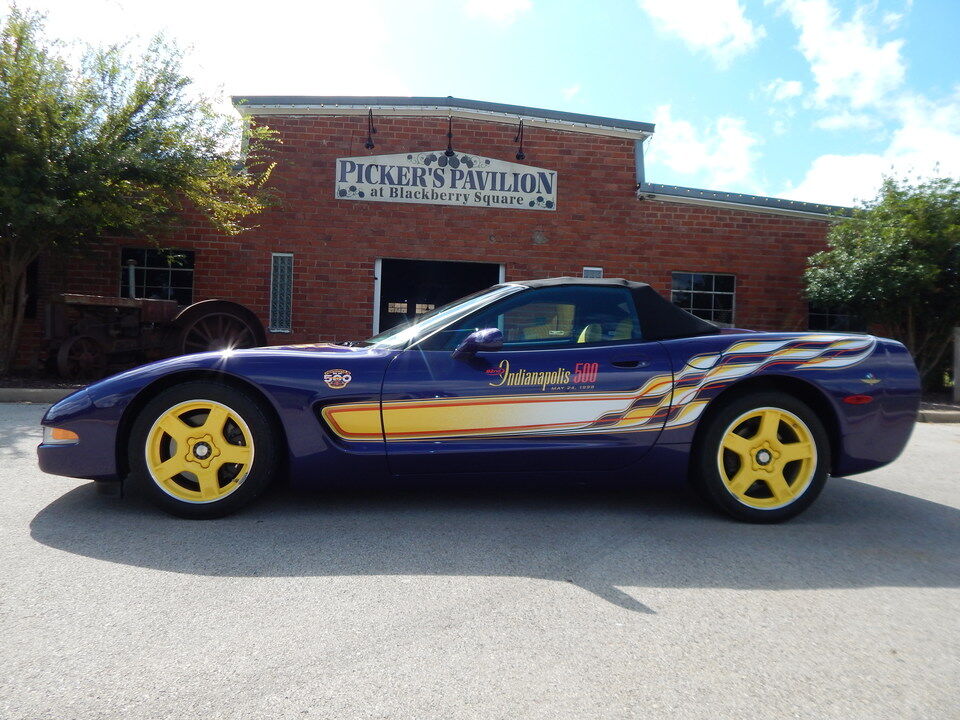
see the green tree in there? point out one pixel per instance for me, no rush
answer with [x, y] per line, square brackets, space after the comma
[896, 262]
[109, 145]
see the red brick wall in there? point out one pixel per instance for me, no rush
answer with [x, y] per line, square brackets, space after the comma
[598, 221]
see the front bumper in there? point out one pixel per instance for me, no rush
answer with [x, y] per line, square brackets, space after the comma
[94, 455]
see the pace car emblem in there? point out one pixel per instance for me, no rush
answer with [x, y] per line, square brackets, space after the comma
[870, 379]
[337, 379]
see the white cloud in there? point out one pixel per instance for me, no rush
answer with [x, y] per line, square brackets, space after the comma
[781, 89]
[860, 86]
[718, 27]
[502, 12]
[840, 179]
[847, 59]
[271, 56]
[723, 154]
[926, 143]
[569, 92]
[847, 120]
[892, 20]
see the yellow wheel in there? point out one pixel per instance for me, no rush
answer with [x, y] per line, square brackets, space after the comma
[761, 457]
[199, 451]
[767, 458]
[202, 449]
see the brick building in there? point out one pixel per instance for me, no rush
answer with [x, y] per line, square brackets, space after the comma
[361, 241]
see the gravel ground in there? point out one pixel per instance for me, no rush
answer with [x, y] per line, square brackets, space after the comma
[479, 603]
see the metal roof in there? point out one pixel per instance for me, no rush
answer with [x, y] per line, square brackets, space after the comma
[459, 107]
[759, 203]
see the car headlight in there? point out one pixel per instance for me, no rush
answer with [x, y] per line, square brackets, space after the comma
[59, 436]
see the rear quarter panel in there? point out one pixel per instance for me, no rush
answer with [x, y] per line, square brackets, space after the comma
[835, 366]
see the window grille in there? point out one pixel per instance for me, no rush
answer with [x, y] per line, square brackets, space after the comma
[158, 274]
[281, 293]
[708, 295]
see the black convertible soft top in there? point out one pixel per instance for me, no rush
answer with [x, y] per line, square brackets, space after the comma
[659, 318]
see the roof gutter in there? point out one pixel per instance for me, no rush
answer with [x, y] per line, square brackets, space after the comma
[433, 107]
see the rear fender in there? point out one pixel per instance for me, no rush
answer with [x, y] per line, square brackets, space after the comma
[819, 369]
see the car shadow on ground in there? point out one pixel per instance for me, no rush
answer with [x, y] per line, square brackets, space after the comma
[856, 535]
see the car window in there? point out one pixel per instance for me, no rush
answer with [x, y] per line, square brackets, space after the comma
[426, 324]
[553, 317]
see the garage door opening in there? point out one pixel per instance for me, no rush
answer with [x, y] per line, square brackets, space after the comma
[408, 288]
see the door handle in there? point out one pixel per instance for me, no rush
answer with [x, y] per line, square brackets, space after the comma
[630, 363]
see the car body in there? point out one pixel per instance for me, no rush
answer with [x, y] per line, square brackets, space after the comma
[551, 376]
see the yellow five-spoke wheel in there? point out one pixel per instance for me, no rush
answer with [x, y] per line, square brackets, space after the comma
[199, 451]
[202, 449]
[762, 457]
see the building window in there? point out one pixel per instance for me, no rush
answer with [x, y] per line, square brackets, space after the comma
[706, 295]
[834, 318]
[158, 274]
[281, 293]
[592, 272]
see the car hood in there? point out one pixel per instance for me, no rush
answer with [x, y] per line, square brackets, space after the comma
[275, 365]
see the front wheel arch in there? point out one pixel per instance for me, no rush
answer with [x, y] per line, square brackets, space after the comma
[800, 389]
[148, 392]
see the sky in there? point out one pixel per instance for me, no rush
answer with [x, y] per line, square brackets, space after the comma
[811, 100]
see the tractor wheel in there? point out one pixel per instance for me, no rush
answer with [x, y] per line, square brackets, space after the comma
[81, 357]
[216, 325]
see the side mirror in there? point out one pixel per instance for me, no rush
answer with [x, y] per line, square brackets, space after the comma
[486, 340]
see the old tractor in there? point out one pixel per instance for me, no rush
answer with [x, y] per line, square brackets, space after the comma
[90, 335]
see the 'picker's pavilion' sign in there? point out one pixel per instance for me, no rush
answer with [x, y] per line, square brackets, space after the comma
[435, 179]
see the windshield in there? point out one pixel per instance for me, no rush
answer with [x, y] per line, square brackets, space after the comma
[428, 323]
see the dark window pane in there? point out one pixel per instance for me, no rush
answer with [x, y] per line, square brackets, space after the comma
[682, 299]
[157, 277]
[723, 316]
[723, 283]
[156, 258]
[703, 301]
[181, 278]
[681, 281]
[702, 282]
[722, 302]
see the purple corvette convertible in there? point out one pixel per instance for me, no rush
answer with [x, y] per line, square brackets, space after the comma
[558, 377]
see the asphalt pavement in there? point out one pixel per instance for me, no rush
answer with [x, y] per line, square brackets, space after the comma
[478, 602]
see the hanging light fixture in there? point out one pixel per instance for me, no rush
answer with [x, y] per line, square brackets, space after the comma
[371, 131]
[449, 151]
[519, 139]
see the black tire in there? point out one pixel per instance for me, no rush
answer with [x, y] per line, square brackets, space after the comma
[778, 489]
[183, 494]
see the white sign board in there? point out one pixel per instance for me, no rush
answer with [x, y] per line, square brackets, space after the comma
[434, 178]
